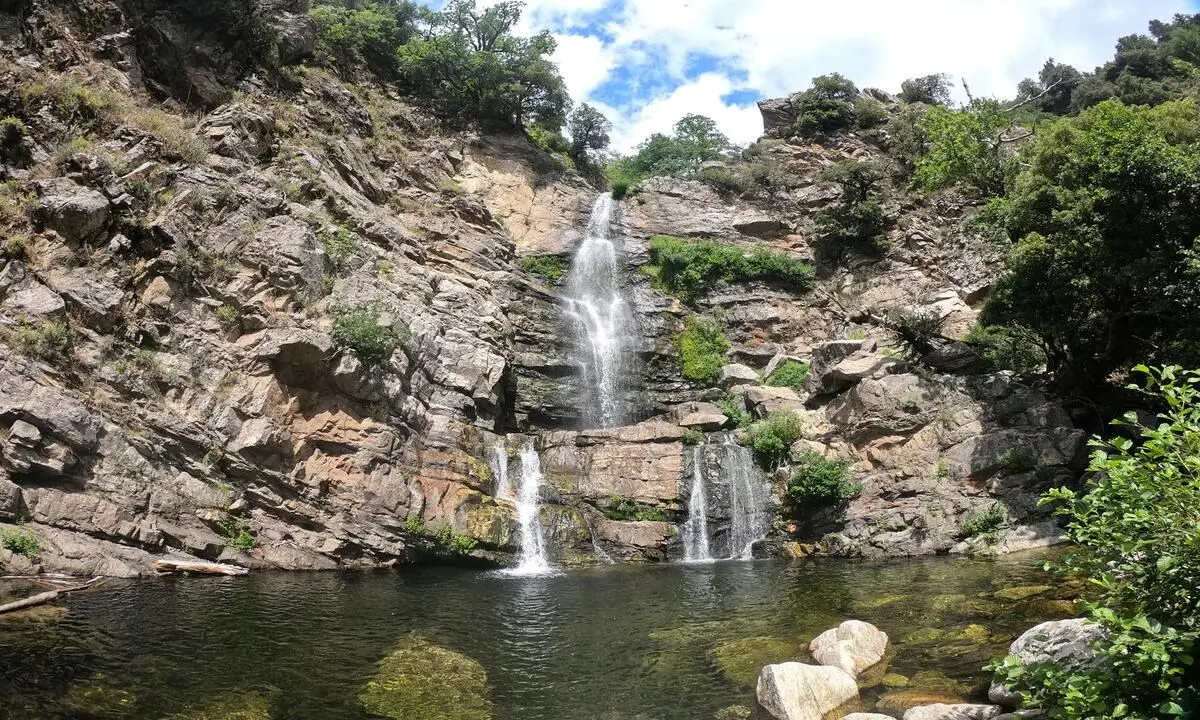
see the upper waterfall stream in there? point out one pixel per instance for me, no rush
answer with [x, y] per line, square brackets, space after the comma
[604, 326]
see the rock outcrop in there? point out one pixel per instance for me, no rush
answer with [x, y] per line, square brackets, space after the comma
[794, 691]
[852, 646]
[1065, 643]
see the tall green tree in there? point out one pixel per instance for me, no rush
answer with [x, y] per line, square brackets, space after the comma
[589, 130]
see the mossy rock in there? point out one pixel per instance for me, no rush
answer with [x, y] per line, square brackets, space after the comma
[860, 607]
[734, 712]
[1024, 592]
[96, 698]
[243, 705]
[896, 702]
[935, 682]
[491, 524]
[38, 613]
[894, 681]
[924, 636]
[423, 681]
[741, 659]
[962, 605]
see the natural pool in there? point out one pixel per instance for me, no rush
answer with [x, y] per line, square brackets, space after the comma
[669, 642]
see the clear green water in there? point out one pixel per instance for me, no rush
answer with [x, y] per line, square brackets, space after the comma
[672, 642]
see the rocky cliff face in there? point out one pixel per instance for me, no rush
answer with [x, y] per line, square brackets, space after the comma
[193, 255]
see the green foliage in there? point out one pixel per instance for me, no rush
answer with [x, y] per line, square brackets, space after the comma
[361, 330]
[48, 340]
[1017, 459]
[869, 113]
[818, 481]
[735, 412]
[228, 314]
[907, 140]
[1007, 348]
[790, 373]
[1136, 528]
[702, 347]
[21, 541]
[826, 107]
[759, 174]
[927, 89]
[772, 437]
[236, 533]
[69, 99]
[589, 130]
[857, 223]
[623, 508]
[366, 33]
[692, 268]
[339, 245]
[551, 267]
[694, 140]
[448, 539]
[414, 524]
[965, 147]
[983, 522]
[692, 437]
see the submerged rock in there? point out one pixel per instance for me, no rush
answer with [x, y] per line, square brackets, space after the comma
[96, 698]
[423, 681]
[741, 658]
[941, 711]
[897, 702]
[1022, 593]
[795, 691]
[852, 646]
[242, 705]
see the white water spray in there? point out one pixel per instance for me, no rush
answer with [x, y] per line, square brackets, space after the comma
[695, 528]
[533, 550]
[749, 497]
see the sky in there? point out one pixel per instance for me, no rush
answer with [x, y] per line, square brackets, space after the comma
[646, 63]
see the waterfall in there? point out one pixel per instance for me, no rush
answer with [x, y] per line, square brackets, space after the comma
[695, 528]
[504, 488]
[533, 550]
[601, 319]
[749, 499]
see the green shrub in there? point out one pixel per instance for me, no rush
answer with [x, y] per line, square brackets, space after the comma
[414, 524]
[818, 481]
[826, 107]
[691, 268]
[236, 533]
[790, 373]
[448, 539]
[551, 267]
[772, 437]
[1017, 459]
[702, 347]
[984, 522]
[869, 113]
[21, 541]
[739, 416]
[857, 222]
[47, 340]
[1137, 539]
[361, 330]
[692, 437]
[1004, 347]
[623, 508]
[339, 245]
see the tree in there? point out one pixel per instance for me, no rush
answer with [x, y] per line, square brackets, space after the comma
[928, 89]
[367, 33]
[694, 140]
[589, 131]
[857, 221]
[1137, 530]
[827, 106]
[1106, 214]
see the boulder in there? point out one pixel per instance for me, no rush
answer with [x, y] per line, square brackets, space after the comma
[795, 691]
[10, 499]
[704, 421]
[73, 211]
[778, 115]
[941, 711]
[33, 299]
[295, 37]
[762, 400]
[89, 294]
[240, 131]
[852, 646]
[850, 371]
[827, 355]
[734, 375]
[758, 225]
[1066, 643]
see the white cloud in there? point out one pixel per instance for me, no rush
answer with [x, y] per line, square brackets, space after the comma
[779, 45]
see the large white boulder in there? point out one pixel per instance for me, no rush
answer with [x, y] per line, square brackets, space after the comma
[1067, 643]
[942, 711]
[795, 691]
[852, 646]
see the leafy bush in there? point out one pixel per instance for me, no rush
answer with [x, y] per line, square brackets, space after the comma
[983, 522]
[691, 268]
[623, 508]
[790, 373]
[1139, 547]
[448, 539]
[963, 148]
[236, 533]
[702, 347]
[414, 524]
[692, 437]
[819, 481]
[551, 267]
[772, 438]
[1007, 348]
[735, 413]
[869, 113]
[1017, 460]
[693, 141]
[367, 33]
[21, 541]
[339, 245]
[48, 340]
[360, 330]
[928, 89]
[827, 106]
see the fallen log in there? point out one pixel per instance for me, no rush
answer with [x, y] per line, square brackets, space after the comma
[167, 567]
[31, 601]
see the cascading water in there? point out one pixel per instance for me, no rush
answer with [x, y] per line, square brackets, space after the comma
[504, 488]
[750, 499]
[533, 551]
[695, 528]
[601, 318]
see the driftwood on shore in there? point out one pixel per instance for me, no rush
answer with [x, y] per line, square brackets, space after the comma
[165, 567]
[57, 590]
